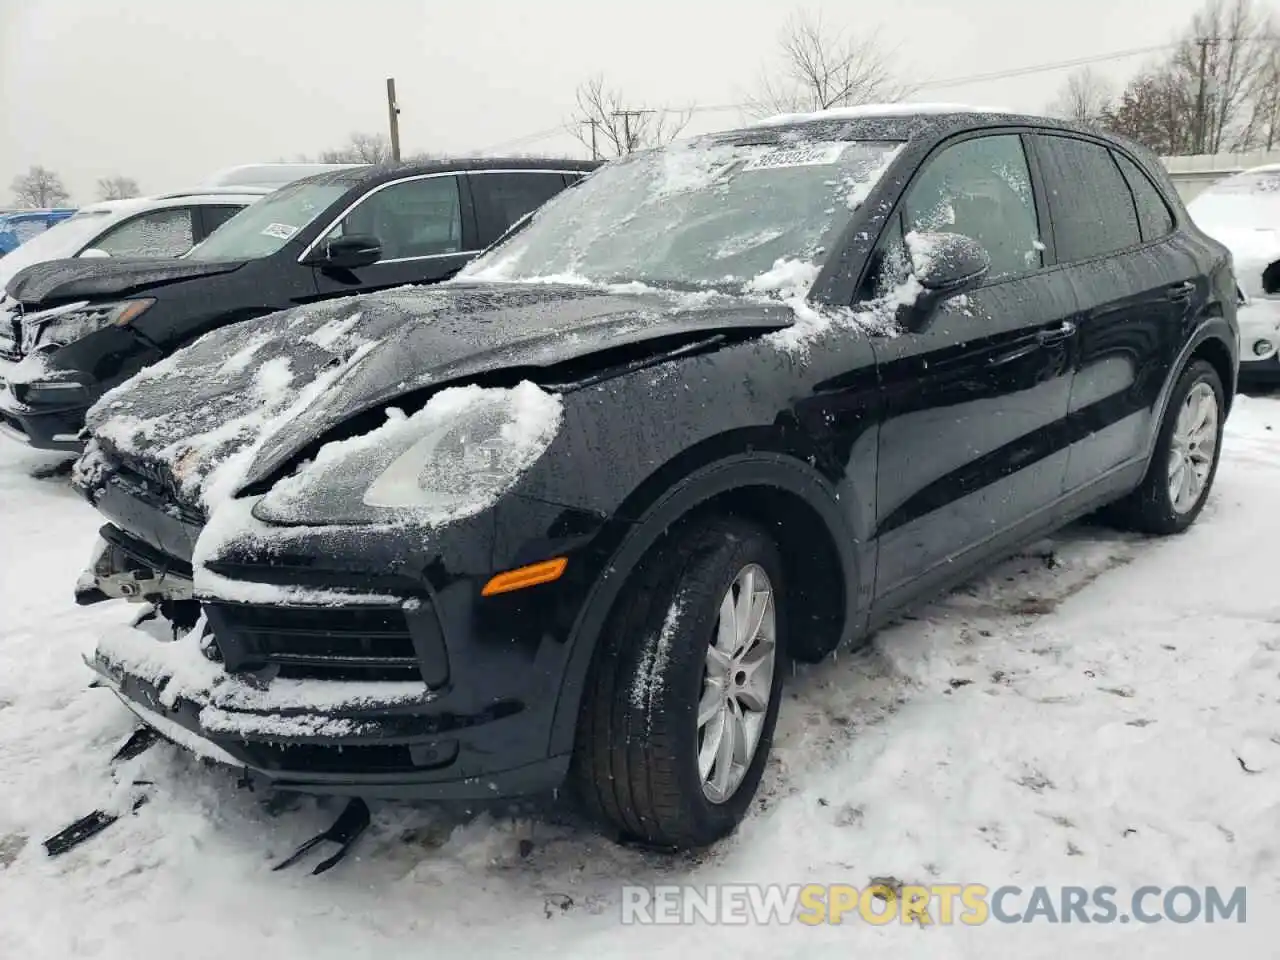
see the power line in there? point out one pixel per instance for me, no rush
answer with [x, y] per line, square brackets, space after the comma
[939, 84]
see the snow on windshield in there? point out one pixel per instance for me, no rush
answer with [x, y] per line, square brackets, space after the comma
[702, 213]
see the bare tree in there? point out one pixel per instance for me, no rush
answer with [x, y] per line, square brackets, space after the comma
[1085, 97]
[39, 187]
[823, 67]
[1157, 109]
[117, 188]
[605, 121]
[1262, 128]
[1234, 37]
[360, 148]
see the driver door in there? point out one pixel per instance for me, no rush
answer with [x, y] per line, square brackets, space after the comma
[424, 224]
[972, 445]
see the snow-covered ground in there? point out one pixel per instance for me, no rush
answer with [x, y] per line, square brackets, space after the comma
[1099, 711]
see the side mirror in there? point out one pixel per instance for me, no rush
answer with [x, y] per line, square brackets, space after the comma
[94, 253]
[348, 253]
[945, 265]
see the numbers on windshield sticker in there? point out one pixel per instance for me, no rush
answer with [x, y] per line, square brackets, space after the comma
[807, 155]
[281, 231]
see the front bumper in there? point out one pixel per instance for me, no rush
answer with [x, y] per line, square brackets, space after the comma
[383, 611]
[44, 428]
[394, 750]
[1259, 320]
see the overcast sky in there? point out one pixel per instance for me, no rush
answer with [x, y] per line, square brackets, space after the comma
[168, 91]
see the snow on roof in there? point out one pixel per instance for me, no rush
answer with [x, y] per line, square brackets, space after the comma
[871, 110]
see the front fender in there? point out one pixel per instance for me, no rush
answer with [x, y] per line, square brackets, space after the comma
[745, 470]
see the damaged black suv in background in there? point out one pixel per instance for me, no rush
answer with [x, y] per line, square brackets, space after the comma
[87, 325]
[733, 401]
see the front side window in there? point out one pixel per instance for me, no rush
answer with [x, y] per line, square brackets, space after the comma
[264, 227]
[161, 233]
[981, 188]
[421, 217]
[718, 212]
[1093, 209]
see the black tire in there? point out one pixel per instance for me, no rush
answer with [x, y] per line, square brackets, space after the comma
[635, 766]
[1149, 508]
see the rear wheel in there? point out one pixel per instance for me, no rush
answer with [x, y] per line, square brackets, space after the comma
[678, 717]
[1185, 461]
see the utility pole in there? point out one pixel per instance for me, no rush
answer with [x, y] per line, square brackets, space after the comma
[626, 116]
[1203, 43]
[393, 110]
[594, 124]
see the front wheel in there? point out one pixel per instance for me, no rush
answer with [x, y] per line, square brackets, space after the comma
[678, 716]
[1185, 460]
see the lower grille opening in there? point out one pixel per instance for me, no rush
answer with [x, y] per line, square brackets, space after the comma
[390, 758]
[326, 643]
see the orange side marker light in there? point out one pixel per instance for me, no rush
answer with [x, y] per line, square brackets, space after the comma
[545, 571]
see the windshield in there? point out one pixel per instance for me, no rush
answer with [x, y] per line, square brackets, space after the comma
[62, 240]
[262, 228]
[702, 213]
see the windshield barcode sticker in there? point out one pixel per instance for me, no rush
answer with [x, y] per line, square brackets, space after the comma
[805, 155]
[281, 231]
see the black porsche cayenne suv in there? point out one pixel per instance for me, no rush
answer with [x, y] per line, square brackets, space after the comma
[732, 401]
[84, 326]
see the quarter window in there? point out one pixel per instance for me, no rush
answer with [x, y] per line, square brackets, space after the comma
[981, 188]
[411, 218]
[1153, 213]
[161, 233]
[512, 195]
[1093, 210]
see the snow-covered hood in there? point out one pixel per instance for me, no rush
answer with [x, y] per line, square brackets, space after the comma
[57, 281]
[255, 394]
[1248, 226]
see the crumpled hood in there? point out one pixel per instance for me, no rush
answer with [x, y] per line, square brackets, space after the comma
[57, 281]
[233, 407]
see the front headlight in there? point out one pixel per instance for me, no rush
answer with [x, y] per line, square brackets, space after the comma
[63, 325]
[449, 460]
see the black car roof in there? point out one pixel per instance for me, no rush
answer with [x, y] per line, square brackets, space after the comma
[379, 173]
[888, 124]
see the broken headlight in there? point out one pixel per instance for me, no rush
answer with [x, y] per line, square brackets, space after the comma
[450, 460]
[63, 325]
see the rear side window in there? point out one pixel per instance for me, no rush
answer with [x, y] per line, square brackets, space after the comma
[1092, 209]
[214, 217]
[160, 233]
[506, 197]
[1153, 213]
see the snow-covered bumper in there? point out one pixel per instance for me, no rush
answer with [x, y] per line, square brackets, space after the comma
[49, 422]
[393, 739]
[354, 661]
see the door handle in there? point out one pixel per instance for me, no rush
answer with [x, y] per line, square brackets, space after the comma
[1183, 290]
[1057, 334]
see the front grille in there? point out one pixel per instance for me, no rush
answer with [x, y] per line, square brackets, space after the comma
[377, 758]
[331, 643]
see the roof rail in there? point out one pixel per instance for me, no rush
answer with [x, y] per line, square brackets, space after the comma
[248, 188]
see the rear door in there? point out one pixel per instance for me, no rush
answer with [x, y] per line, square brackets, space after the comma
[504, 196]
[425, 224]
[1134, 281]
[974, 403]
